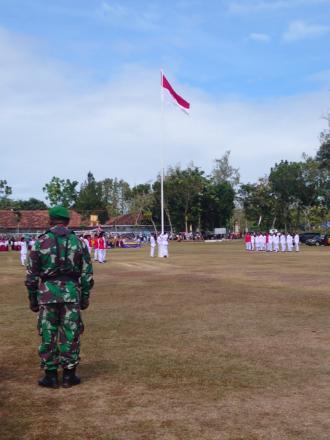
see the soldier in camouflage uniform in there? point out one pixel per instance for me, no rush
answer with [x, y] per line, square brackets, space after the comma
[59, 279]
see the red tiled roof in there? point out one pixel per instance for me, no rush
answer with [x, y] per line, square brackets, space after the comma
[38, 219]
[127, 219]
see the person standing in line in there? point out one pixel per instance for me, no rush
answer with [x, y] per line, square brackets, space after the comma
[152, 245]
[289, 242]
[276, 242]
[296, 240]
[101, 248]
[283, 242]
[247, 240]
[59, 280]
[253, 241]
[160, 245]
[86, 241]
[96, 247]
[24, 250]
[165, 245]
[270, 243]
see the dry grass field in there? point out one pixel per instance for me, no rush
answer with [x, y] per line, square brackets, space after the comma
[213, 343]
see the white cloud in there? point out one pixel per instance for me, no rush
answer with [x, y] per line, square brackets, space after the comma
[322, 77]
[259, 37]
[49, 127]
[299, 30]
[141, 17]
[253, 6]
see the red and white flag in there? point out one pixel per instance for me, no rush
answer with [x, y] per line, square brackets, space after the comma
[182, 103]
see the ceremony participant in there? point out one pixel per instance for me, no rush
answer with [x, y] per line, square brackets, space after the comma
[253, 242]
[165, 245]
[152, 245]
[102, 248]
[283, 242]
[270, 243]
[276, 242]
[87, 242]
[24, 250]
[247, 240]
[296, 240]
[59, 279]
[160, 245]
[96, 247]
[289, 242]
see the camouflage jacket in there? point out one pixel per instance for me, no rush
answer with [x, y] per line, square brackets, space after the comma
[59, 268]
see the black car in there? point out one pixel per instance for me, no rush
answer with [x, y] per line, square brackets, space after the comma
[317, 240]
[308, 235]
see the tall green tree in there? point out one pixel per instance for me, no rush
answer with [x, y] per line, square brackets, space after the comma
[90, 199]
[223, 172]
[217, 204]
[61, 192]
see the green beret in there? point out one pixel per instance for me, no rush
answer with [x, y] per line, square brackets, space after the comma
[59, 212]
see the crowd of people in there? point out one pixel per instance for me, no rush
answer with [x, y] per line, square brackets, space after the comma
[272, 242]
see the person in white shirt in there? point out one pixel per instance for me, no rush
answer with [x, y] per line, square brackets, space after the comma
[270, 243]
[296, 241]
[165, 245]
[160, 245]
[283, 242]
[86, 241]
[289, 242]
[276, 242]
[152, 245]
[24, 250]
[253, 242]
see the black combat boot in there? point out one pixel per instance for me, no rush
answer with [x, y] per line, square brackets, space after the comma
[50, 379]
[69, 378]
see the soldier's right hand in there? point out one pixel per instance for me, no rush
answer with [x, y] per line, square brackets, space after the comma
[84, 303]
[34, 306]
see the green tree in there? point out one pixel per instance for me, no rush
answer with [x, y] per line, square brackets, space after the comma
[323, 153]
[258, 203]
[30, 204]
[90, 199]
[217, 204]
[223, 172]
[61, 192]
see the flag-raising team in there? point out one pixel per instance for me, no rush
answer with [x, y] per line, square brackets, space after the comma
[278, 242]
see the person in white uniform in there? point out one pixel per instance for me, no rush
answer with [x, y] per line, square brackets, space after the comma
[253, 242]
[165, 245]
[289, 242]
[152, 245]
[160, 245]
[283, 242]
[296, 241]
[24, 250]
[276, 242]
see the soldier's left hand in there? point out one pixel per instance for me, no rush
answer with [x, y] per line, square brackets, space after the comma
[34, 306]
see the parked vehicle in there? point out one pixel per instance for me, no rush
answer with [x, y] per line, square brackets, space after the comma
[319, 240]
[308, 235]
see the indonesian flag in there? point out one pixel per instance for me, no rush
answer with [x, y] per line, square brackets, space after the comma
[182, 103]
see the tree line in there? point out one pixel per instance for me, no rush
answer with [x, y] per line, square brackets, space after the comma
[292, 195]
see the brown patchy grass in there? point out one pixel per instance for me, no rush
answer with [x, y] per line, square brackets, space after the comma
[213, 343]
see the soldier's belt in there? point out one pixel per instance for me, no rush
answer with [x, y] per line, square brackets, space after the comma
[60, 277]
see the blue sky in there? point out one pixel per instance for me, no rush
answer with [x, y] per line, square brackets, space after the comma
[257, 73]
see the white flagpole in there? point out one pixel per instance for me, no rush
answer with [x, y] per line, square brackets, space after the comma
[162, 153]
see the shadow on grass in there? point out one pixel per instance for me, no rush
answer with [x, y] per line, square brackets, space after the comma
[98, 368]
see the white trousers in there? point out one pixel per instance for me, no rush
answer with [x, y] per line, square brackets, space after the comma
[101, 255]
[269, 247]
[152, 251]
[283, 247]
[297, 247]
[23, 258]
[276, 247]
[96, 252]
[290, 247]
[165, 250]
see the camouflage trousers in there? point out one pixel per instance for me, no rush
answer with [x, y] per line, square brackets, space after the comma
[60, 326]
